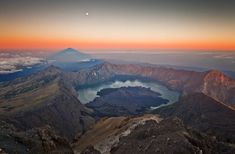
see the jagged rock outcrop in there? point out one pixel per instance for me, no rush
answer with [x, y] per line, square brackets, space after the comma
[147, 135]
[106, 133]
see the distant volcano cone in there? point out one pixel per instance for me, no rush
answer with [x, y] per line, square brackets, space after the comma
[69, 55]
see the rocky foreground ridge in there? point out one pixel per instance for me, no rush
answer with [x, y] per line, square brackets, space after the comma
[147, 134]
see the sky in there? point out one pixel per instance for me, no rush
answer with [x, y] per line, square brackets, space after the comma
[117, 24]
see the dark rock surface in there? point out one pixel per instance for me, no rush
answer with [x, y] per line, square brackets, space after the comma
[204, 114]
[38, 141]
[169, 136]
[90, 150]
[125, 101]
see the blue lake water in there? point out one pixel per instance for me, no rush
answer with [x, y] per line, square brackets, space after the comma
[88, 94]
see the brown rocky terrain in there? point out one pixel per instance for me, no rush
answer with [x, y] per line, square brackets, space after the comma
[203, 113]
[45, 98]
[219, 87]
[169, 136]
[148, 135]
[107, 131]
[38, 141]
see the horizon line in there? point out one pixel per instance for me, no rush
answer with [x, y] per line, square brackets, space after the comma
[122, 49]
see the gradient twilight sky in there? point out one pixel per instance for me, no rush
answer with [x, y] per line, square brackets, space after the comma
[170, 24]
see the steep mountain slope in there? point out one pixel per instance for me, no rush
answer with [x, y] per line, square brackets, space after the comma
[219, 87]
[45, 98]
[169, 136]
[176, 79]
[204, 114]
[148, 134]
[106, 132]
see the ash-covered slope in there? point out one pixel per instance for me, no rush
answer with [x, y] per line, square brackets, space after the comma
[106, 132]
[45, 98]
[148, 134]
[169, 136]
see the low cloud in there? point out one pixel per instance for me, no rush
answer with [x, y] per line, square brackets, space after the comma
[13, 62]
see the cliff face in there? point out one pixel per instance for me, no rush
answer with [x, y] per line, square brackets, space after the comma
[45, 98]
[175, 79]
[220, 87]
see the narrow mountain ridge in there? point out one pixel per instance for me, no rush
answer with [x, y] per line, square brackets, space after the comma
[146, 134]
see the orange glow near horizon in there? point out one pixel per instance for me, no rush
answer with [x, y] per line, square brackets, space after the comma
[191, 25]
[173, 32]
[92, 44]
